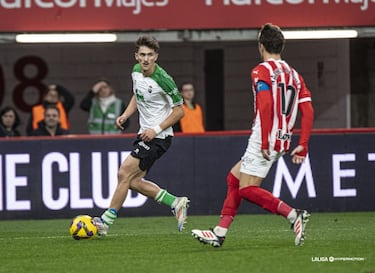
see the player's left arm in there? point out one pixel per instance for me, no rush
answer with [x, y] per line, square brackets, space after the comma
[174, 97]
[169, 86]
[264, 101]
[150, 133]
[307, 118]
[176, 114]
[262, 87]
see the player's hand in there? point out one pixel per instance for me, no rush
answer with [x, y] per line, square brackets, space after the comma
[120, 121]
[266, 154]
[148, 135]
[298, 154]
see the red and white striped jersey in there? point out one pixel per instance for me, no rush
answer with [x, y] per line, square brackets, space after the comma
[276, 111]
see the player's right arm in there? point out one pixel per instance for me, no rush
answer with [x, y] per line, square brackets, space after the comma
[130, 109]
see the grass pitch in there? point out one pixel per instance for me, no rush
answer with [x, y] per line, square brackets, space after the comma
[335, 242]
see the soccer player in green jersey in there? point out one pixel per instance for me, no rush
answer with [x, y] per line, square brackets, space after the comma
[159, 103]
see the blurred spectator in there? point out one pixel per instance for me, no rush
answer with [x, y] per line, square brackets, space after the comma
[103, 107]
[55, 95]
[50, 126]
[9, 122]
[192, 122]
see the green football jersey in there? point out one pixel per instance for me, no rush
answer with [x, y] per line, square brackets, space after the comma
[156, 95]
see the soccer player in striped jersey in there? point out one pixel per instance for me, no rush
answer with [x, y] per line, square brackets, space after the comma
[159, 103]
[279, 92]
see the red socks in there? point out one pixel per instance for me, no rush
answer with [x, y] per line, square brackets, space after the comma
[284, 209]
[254, 194]
[231, 202]
[264, 199]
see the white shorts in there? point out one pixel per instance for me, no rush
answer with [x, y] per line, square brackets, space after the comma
[253, 162]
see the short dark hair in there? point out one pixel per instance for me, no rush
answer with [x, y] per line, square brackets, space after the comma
[148, 41]
[48, 89]
[105, 80]
[51, 106]
[185, 83]
[272, 38]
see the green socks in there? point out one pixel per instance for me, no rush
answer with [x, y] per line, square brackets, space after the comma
[109, 216]
[165, 198]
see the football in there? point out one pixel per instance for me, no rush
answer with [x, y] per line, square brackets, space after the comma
[82, 227]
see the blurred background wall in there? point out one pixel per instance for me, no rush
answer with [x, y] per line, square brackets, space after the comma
[340, 74]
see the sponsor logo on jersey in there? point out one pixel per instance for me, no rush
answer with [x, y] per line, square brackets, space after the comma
[139, 96]
[283, 136]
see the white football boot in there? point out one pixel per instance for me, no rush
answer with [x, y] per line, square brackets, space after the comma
[180, 211]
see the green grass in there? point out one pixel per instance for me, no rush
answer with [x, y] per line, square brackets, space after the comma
[255, 243]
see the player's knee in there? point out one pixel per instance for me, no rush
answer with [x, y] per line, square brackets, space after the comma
[123, 174]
